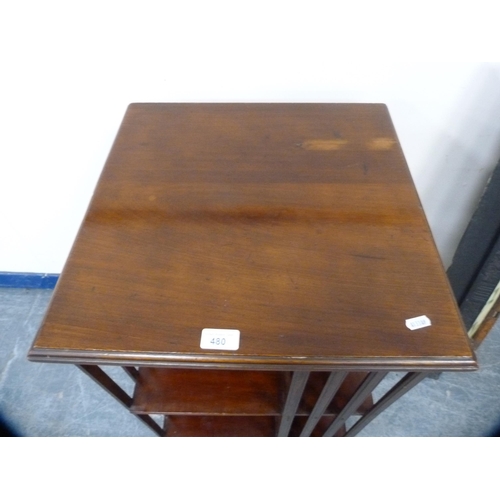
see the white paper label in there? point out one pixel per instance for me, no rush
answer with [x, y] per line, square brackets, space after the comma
[418, 322]
[220, 338]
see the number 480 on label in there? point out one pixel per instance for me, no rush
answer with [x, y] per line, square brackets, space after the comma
[218, 341]
[220, 338]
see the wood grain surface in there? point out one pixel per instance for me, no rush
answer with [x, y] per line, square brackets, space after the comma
[297, 224]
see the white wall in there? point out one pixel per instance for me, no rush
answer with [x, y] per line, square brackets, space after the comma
[69, 69]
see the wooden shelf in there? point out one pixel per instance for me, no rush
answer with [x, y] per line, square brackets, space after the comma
[187, 426]
[219, 393]
[209, 392]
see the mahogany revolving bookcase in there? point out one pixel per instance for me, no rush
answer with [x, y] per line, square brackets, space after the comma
[257, 269]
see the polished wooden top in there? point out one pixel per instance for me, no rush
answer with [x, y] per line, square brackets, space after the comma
[297, 224]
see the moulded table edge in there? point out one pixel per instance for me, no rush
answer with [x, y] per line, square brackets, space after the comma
[254, 362]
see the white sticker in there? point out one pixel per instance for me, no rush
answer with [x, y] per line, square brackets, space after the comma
[418, 322]
[220, 338]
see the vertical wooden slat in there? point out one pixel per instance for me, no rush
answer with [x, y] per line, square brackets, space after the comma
[330, 388]
[371, 381]
[297, 386]
[107, 383]
[402, 387]
[132, 372]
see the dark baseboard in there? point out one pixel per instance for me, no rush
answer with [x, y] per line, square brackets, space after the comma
[481, 235]
[28, 280]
